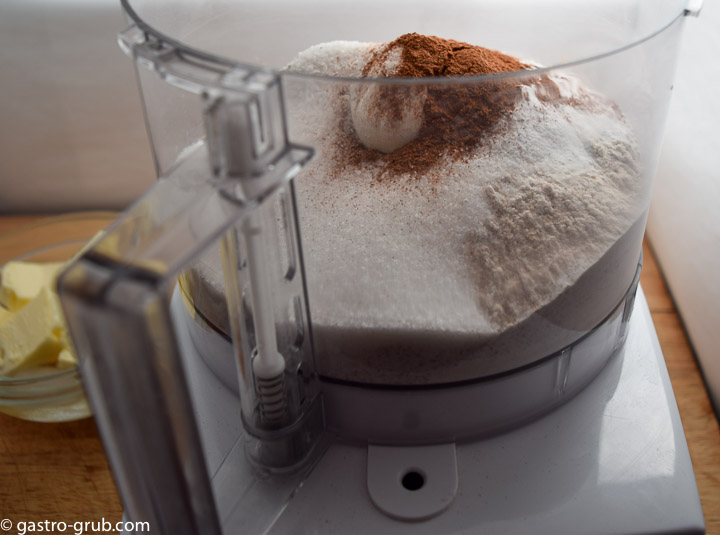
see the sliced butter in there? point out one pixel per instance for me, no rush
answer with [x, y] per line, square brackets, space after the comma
[4, 314]
[66, 359]
[33, 336]
[20, 282]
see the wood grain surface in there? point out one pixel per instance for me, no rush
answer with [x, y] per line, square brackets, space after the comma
[58, 472]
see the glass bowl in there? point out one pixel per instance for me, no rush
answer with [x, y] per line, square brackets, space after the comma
[48, 394]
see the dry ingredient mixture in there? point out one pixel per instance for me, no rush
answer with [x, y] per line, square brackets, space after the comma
[443, 224]
[453, 229]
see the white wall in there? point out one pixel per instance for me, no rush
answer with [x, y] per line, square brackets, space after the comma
[72, 134]
[684, 221]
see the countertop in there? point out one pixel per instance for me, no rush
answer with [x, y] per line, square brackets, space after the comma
[58, 472]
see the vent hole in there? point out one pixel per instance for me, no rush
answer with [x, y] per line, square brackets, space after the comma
[413, 480]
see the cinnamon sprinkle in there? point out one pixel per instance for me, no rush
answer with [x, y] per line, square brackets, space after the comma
[456, 116]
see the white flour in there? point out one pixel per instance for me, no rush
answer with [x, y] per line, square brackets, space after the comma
[409, 284]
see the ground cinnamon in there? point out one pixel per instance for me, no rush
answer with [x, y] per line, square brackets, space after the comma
[456, 115]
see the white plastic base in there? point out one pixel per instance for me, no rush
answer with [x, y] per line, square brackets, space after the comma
[412, 483]
[611, 460]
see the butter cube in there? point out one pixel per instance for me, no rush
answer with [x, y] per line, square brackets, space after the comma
[34, 335]
[20, 282]
[66, 359]
[4, 314]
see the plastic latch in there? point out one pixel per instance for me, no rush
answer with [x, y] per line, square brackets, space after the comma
[131, 37]
[149, 52]
[246, 133]
[412, 483]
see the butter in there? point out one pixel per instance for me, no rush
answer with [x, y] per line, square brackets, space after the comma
[32, 325]
[66, 359]
[34, 335]
[20, 282]
[4, 314]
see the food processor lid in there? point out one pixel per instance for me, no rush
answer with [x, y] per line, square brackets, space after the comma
[238, 35]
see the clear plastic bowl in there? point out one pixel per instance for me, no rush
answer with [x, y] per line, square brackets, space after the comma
[48, 394]
[450, 273]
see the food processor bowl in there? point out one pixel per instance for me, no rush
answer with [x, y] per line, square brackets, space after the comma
[420, 279]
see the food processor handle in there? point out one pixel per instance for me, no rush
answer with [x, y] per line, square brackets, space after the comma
[116, 297]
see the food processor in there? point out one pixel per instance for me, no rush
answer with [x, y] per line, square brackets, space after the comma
[290, 333]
